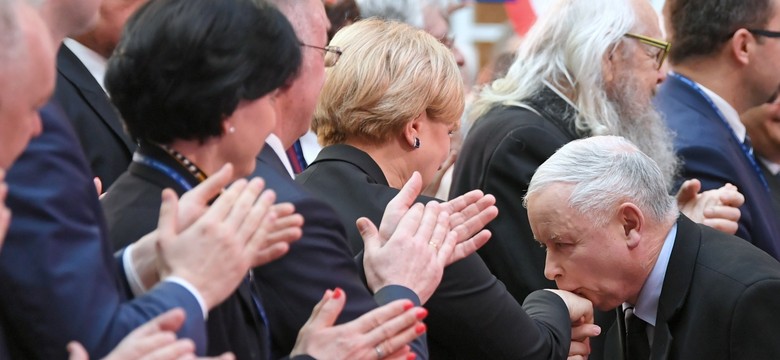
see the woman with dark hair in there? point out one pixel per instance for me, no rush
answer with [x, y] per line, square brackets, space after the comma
[385, 112]
[195, 82]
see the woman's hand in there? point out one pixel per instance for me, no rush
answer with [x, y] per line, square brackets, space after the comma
[381, 333]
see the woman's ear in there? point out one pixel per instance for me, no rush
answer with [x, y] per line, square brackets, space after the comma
[412, 132]
[227, 127]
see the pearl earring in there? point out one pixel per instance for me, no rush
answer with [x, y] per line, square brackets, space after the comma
[232, 129]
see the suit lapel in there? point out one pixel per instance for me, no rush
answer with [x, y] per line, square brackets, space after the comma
[269, 158]
[677, 283]
[71, 68]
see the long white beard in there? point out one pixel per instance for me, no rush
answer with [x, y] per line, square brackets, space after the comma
[640, 123]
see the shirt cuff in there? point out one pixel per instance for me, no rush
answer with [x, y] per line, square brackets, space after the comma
[136, 285]
[193, 291]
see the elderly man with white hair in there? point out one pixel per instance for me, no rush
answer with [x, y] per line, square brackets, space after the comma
[614, 235]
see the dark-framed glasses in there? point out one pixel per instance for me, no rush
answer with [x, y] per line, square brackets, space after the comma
[332, 53]
[766, 33]
[663, 47]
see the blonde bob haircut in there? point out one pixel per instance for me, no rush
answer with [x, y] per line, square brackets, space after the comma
[388, 74]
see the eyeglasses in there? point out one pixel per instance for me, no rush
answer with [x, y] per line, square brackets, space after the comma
[767, 33]
[332, 53]
[660, 44]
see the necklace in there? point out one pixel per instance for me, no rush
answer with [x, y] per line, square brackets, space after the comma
[186, 163]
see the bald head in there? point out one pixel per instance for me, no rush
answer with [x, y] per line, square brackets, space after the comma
[26, 76]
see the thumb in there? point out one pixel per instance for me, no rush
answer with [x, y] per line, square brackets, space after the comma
[169, 211]
[170, 320]
[369, 233]
[77, 352]
[328, 310]
[688, 190]
[408, 194]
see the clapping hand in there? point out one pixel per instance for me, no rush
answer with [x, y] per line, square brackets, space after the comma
[381, 333]
[155, 340]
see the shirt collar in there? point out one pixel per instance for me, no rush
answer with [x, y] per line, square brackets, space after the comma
[276, 144]
[646, 307]
[728, 111]
[773, 167]
[95, 63]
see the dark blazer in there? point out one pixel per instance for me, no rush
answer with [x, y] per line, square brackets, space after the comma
[500, 156]
[59, 279]
[712, 154]
[520, 141]
[718, 301]
[320, 260]
[132, 208]
[98, 126]
[471, 316]
[773, 180]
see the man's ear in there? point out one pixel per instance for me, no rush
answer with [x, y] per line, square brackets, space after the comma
[412, 131]
[633, 222]
[741, 45]
[608, 64]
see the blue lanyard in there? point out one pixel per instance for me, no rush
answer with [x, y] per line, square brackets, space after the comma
[163, 168]
[722, 117]
[170, 172]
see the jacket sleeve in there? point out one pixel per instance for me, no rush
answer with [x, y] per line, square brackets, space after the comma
[57, 261]
[292, 285]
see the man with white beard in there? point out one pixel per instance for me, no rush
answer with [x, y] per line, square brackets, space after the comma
[573, 78]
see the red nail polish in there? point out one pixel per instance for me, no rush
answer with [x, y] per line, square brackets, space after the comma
[411, 356]
[419, 329]
[337, 293]
[422, 313]
[408, 305]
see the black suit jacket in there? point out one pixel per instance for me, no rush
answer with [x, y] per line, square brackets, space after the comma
[320, 260]
[500, 156]
[59, 280]
[471, 314]
[132, 209]
[719, 300]
[98, 126]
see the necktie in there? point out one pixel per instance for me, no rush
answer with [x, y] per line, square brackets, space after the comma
[265, 330]
[637, 346]
[748, 145]
[295, 154]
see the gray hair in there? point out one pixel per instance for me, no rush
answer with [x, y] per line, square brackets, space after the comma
[405, 11]
[605, 171]
[565, 48]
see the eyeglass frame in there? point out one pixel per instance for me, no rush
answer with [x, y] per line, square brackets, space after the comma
[765, 33]
[334, 51]
[665, 46]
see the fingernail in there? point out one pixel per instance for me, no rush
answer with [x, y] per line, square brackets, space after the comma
[337, 293]
[411, 356]
[598, 330]
[419, 329]
[422, 313]
[408, 305]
